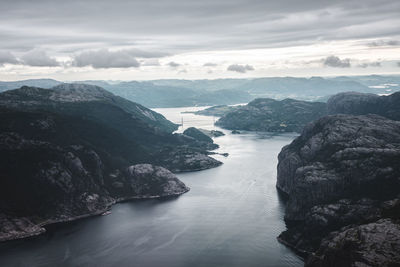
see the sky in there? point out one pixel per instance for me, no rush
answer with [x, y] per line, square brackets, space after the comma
[203, 39]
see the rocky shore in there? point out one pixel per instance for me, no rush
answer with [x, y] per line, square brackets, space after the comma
[141, 181]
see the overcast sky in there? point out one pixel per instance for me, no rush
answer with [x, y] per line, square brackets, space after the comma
[141, 40]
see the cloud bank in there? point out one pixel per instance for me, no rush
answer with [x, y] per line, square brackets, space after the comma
[39, 58]
[141, 37]
[106, 59]
[7, 57]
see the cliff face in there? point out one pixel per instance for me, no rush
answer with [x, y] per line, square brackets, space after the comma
[342, 170]
[73, 151]
[373, 244]
[264, 114]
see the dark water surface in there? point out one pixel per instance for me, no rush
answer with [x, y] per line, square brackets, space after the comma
[230, 217]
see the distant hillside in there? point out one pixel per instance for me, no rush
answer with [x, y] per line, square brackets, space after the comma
[388, 82]
[277, 87]
[182, 93]
[217, 111]
[360, 104]
[265, 114]
[151, 95]
[42, 83]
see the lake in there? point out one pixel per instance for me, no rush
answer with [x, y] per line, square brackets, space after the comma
[230, 217]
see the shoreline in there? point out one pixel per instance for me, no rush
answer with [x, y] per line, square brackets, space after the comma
[40, 228]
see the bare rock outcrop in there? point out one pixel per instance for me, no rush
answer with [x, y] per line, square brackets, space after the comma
[341, 171]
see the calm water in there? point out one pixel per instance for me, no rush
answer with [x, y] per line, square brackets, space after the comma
[231, 217]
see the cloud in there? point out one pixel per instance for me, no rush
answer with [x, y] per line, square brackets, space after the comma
[210, 64]
[336, 62]
[7, 57]
[240, 68]
[182, 71]
[181, 26]
[106, 59]
[375, 64]
[39, 58]
[370, 64]
[150, 62]
[384, 43]
[193, 31]
[398, 64]
[145, 54]
[173, 64]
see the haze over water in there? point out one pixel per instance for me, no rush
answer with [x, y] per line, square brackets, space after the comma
[230, 217]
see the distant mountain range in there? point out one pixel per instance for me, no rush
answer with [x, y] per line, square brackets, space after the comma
[182, 93]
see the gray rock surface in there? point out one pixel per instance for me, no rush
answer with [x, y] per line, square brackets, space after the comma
[149, 181]
[185, 160]
[373, 244]
[342, 170]
[340, 156]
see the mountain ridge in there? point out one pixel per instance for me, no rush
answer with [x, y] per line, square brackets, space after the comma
[75, 150]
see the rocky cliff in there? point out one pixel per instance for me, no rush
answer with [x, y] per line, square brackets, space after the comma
[343, 170]
[372, 244]
[264, 114]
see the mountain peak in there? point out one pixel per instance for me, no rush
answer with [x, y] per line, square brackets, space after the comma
[75, 92]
